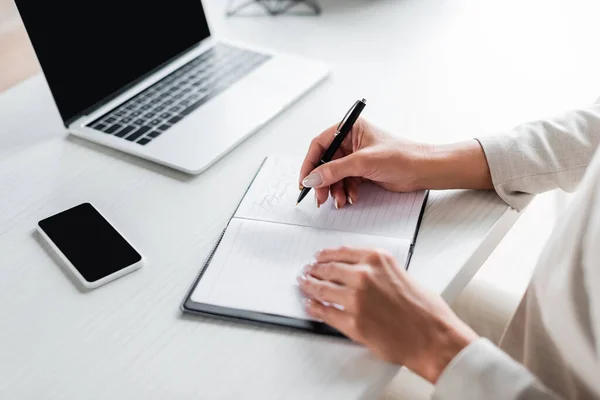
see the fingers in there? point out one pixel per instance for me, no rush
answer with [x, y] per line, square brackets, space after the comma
[315, 151]
[354, 255]
[350, 255]
[321, 194]
[334, 171]
[338, 192]
[339, 319]
[351, 276]
[323, 291]
[351, 186]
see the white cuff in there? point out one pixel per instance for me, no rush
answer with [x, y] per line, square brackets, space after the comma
[483, 371]
[498, 150]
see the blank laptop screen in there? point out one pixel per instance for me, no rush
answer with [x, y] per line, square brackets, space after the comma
[90, 50]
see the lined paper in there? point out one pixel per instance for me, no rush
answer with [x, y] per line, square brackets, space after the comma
[272, 197]
[256, 264]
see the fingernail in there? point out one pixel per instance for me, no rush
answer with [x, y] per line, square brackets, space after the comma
[306, 269]
[350, 200]
[301, 279]
[317, 200]
[335, 203]
[312, 180]
[308, 303]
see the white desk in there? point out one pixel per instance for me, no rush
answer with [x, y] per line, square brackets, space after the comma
[417, 65]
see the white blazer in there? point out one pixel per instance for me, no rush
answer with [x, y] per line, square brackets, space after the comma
[551, 348]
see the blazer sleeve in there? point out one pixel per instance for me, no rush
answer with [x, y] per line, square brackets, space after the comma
[542, 155]
[483, 371]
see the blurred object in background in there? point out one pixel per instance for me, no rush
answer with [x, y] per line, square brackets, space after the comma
[8, 12]
[17, 59]
[272, 7]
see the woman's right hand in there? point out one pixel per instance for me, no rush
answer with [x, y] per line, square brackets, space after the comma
[399, 165]
[366, 153]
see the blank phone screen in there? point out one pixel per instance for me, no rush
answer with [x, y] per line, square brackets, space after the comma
[89, 242]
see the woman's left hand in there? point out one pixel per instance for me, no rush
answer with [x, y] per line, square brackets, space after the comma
[384, 309]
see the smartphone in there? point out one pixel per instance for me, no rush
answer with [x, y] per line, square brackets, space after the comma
[90, 247]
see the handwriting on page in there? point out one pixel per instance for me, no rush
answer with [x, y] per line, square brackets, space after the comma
[272, 197]
[256, 264]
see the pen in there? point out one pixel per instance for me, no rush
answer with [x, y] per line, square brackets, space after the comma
[344, 128]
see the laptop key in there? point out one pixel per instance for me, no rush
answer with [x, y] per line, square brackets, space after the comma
[175, 119]
[137, 134]
[193, 106]
[143, 141]
[125, 131]
[113, 128]
[195, 96]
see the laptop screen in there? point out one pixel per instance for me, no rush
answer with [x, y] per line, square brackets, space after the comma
[91, 50]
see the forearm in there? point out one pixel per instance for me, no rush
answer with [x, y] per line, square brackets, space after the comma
[460, 165]
[532, 158]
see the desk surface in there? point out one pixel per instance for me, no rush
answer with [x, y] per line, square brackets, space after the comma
[426, 75]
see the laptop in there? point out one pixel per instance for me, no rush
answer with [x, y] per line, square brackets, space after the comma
[149, 79]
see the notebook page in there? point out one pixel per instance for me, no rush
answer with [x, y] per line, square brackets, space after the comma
[256, 264]
[273, 195]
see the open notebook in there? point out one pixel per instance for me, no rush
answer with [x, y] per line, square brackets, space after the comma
[251, 274]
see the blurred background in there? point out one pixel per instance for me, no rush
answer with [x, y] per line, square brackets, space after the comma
[547, 64]
[17, 60]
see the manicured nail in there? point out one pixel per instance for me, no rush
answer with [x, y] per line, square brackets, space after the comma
[312, 180]
[350, 200]
[306, 269]
[335, 203]
[308, 303]
[301, 279]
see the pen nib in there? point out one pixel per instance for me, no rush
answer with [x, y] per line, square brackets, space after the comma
[297, 203]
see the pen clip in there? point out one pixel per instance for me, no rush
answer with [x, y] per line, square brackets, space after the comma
[344, 119]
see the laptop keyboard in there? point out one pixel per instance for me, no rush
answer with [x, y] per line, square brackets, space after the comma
[152, 112]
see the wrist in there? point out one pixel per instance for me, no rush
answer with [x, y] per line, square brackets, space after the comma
[448, 344]
[460, 165]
